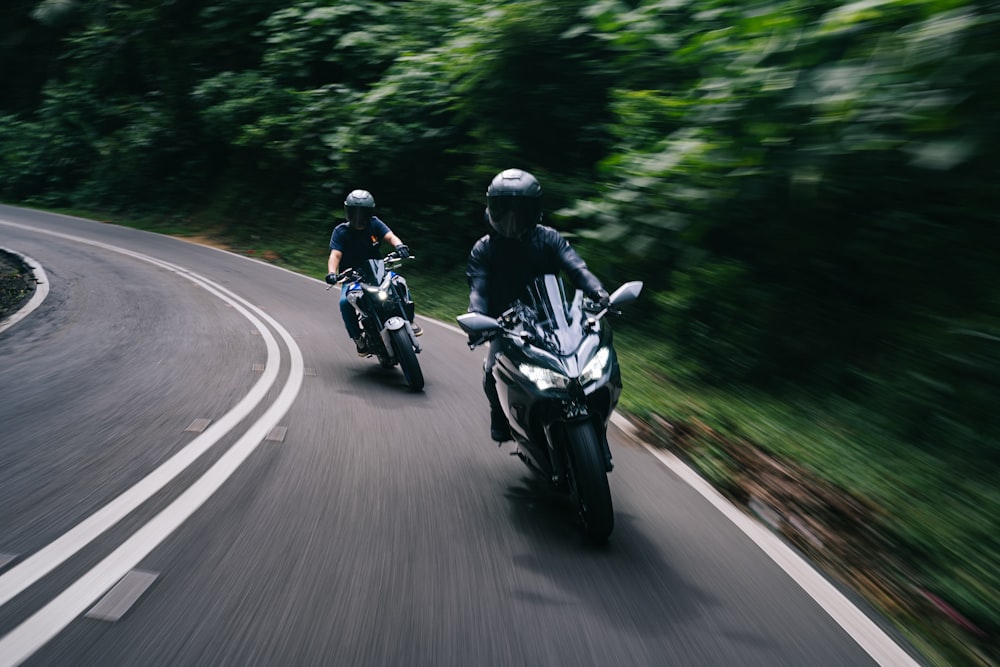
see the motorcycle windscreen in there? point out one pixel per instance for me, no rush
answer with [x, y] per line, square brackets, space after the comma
[372, 271]
[557, 320]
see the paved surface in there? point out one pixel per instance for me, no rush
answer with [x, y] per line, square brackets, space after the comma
[383, 528]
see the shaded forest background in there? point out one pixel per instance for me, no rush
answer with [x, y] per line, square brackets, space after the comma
[809, 190]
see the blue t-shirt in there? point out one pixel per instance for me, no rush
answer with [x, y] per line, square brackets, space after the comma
[358, 246]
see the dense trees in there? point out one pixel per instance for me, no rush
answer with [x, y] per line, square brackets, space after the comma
[809, 188]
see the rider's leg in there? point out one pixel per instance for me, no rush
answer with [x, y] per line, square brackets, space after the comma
[499, 426]
[350, 317]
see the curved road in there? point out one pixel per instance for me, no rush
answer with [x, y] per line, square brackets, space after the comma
[192, 431]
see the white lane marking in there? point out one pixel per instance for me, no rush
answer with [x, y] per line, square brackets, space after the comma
[854, 622]
[26, 573]
[41, 291]
[30, 570]
[122, 596]
[36, 631]
[277, 434]
[198, 425]
[443, 325]
[6, 559]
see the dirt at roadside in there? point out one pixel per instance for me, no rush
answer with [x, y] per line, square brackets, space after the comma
[16, 284]
[200, 239]
[835, 530]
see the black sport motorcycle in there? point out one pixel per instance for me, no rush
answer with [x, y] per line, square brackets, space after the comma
[384, 310]
[558, 380]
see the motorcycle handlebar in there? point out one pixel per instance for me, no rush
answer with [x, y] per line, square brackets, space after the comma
[352, 275]
[394, 257]
[349, 274]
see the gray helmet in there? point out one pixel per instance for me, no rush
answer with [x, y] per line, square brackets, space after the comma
[514, 203]
[359, 208]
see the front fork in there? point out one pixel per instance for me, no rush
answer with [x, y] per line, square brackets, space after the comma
[573, 410]
[390, 323]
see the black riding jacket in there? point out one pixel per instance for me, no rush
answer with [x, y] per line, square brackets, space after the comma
[500, 268]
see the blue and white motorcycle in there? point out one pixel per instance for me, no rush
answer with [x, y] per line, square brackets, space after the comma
[381, 300]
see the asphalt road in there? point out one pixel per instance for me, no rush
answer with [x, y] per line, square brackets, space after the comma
[320, 514]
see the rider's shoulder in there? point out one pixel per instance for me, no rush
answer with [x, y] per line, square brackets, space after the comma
[547, 235]
[482, 245]
[547, 230]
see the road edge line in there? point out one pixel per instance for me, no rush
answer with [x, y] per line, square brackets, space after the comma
[864, 631]
[37, 297]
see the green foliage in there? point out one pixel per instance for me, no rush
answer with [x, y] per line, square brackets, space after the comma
[808, 189]
[832, 154]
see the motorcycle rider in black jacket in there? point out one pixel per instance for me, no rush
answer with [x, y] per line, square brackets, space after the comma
[516, 250]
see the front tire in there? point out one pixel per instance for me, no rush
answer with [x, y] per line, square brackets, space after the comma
[407, 359]
[590, 481]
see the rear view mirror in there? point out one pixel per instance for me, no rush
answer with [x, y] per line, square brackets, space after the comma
[627, 292]
[477, 323]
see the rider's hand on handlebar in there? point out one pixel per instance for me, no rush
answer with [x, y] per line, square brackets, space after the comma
[332, 278]
[600, 298]
[403, 251]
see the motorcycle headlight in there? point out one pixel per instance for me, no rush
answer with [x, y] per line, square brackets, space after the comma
[543, 377]
[595, 367]
[378, 293]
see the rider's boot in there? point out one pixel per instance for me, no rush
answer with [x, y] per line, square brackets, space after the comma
[408, 307]
[362, 346]
[499, 426]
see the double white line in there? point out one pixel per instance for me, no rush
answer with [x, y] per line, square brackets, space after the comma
[21, 642]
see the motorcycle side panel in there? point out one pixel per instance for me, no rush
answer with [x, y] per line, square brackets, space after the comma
[529, 411]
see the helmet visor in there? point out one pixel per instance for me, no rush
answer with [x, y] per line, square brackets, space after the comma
[514, 216]
[358, 216]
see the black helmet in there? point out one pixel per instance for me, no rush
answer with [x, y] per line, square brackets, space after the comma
[359, 208]
[514, 203]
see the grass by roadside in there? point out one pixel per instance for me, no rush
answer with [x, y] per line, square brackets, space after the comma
[914, 530]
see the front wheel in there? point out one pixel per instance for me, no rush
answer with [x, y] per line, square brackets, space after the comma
[407, 359]
[590, 480]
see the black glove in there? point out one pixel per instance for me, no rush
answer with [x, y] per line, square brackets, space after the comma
[478, 339]
[331, 278]
[402, 251]
[601, 298]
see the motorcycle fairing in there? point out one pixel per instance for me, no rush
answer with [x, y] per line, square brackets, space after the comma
[554, 333]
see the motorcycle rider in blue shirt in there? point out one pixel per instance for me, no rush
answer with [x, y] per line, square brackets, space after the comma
[352, 243]
[516, 251]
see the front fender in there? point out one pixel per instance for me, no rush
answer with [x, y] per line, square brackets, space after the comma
[392, 324]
